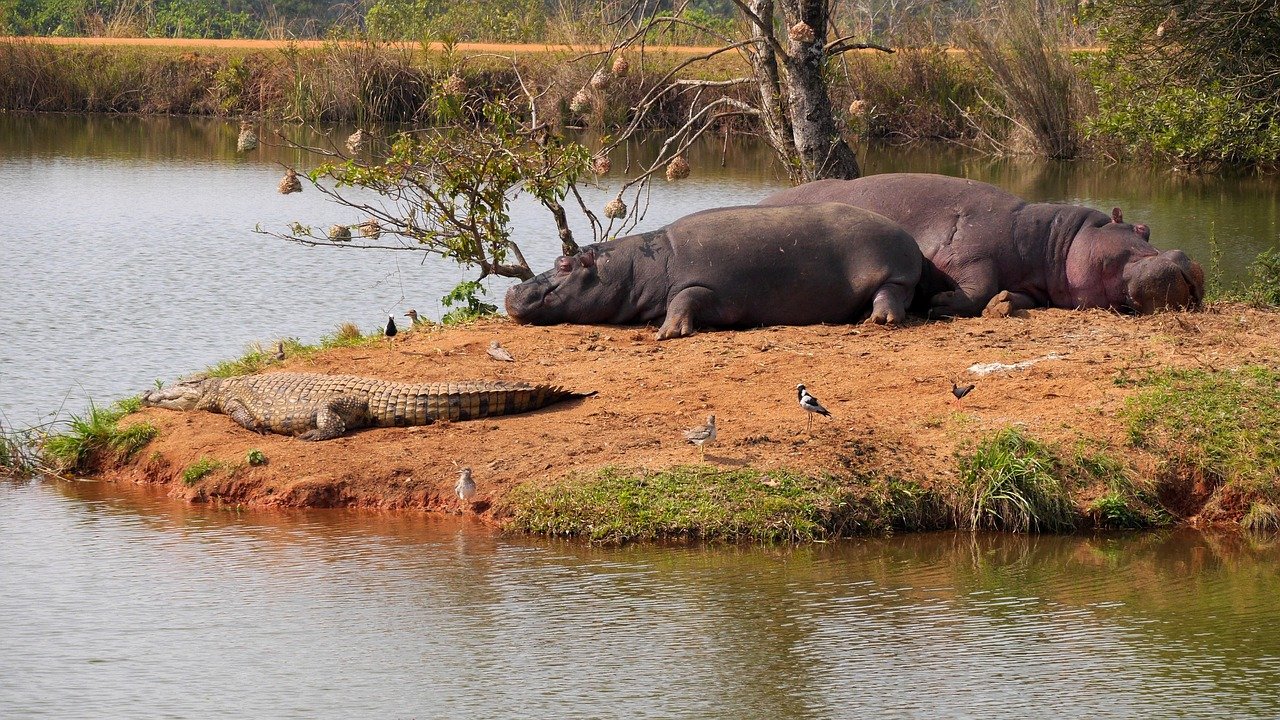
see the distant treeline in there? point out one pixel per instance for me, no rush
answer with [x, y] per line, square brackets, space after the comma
[884, 21]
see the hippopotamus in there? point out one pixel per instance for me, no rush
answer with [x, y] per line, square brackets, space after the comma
[984, 247]
[733, 267]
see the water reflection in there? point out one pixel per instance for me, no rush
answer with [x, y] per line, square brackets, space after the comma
[122, 598]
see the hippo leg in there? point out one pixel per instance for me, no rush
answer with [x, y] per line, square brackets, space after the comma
[890, 303]
[683, 310]
[969, 298]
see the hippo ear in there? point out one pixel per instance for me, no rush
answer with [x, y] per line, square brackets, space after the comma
[1116, 215]
[1142, 231]
[587, 258]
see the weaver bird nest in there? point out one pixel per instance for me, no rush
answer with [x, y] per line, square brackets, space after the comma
[678, 168]
[616, 209]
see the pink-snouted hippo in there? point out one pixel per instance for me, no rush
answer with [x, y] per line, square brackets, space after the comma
[984, 246]
[733, 267]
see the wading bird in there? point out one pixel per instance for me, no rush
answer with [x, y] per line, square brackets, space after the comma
[465, 487]
[702, 435]
[497, 352]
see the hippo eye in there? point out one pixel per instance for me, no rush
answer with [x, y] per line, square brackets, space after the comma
[564, 264]
[588, 259]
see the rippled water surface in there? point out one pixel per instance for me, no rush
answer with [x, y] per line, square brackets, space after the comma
[128, 253]
[120, 603]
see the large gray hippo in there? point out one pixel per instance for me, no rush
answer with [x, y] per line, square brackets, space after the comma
[737, 266]
[982, 242]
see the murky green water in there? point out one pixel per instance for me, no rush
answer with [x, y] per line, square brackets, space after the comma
[120, 603]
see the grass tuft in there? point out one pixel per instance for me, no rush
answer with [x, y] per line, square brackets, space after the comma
[693, 503]
[94, 434]
[198, 469]
[1262, 517]
[1014, 483]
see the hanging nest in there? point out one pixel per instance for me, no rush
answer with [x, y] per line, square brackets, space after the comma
[600, 80]
[678, 168]
[355, 141]
[371, 229]
[248, 139]
[616, 209]
[621, 66]
[339, 233]
[453, 85]
[581, 102]
[801, 33]
[601, 165]
[290, 182]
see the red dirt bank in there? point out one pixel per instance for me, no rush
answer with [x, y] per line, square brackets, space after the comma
[888, 391]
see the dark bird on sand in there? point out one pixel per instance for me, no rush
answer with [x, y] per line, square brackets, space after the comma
[702, 435]
[279, 356]
[961, 391]
[497, 352]
[810, 404]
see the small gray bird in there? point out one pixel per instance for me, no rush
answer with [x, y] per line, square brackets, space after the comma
[960, 391]
[702, 435]
[465, 487]
[810, 404]
[416, 319]
[497, 352]
[279, 356]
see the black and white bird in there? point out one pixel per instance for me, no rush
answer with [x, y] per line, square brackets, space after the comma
[391, 330]
[702, 435]
[810, 405]
[497, 352]
[465, 487]
[960, 391]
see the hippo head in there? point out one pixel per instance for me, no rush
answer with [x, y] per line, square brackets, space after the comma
[1166, 281]
[1113, 264]
[572, 291]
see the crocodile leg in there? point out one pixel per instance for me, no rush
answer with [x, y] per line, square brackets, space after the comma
[237, 411]
[335, 417]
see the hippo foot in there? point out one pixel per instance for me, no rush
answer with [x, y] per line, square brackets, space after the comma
[1004, 304]
[675, 329]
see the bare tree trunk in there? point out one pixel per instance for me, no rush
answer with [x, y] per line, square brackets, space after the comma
[823, 152]
[773, 110]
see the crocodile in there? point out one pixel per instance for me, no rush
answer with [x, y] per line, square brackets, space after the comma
[314, 406]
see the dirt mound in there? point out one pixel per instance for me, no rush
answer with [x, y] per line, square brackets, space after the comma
[888, 389]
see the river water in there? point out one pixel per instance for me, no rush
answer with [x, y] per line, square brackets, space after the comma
[121, 603]
[128, 254]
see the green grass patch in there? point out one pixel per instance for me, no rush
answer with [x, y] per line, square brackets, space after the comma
[694, 503]
[94, 434]
[1218, 429]
[256, 358]
[1012, 482]
[197, 470]
[256, 458]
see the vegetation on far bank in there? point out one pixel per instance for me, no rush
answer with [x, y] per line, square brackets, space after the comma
[1153, 93]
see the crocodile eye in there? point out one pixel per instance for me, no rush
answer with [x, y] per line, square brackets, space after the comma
[588, 259]
[564, 264]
